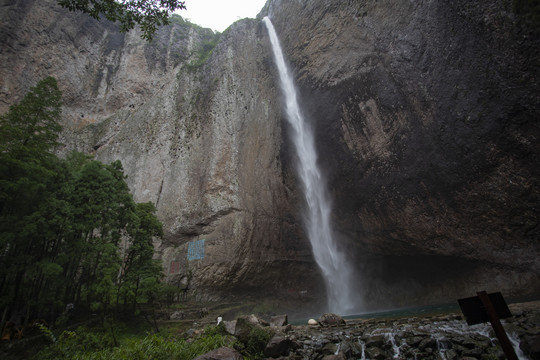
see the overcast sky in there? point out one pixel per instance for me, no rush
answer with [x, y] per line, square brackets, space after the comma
[219, 14]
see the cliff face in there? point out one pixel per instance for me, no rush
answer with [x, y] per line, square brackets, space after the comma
[425, 115]
[199, 135]
[427, 124]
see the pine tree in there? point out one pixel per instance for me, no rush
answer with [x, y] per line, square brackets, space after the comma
[29, 177]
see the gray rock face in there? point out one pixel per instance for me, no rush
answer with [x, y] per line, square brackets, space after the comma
[201, 141]
[425, 115]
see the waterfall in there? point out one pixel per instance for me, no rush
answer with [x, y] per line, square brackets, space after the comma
[336, 270]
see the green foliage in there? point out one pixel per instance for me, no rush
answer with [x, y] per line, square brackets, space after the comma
[149, 14]
[47, 332]
[177, 19]
[257, 340]
[253, 345]
[32, 125]
[70, 231]
[31, 197]
[204, 51]
[72, 344]
[206, 343]
[85, 345]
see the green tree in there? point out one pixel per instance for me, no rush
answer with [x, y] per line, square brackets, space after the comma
[62, 221]
[147, 13]
[141, 274]
[102, 208]
[31, 127]
[29, 176]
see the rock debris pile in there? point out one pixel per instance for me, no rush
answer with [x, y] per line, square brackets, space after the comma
[431, 337]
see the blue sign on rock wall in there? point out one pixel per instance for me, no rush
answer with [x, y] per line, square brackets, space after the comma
[195, 250]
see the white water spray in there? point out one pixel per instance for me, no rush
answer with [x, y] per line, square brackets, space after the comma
[336, 270]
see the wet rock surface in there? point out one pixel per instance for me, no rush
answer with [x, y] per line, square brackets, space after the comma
[445, 336]
[331, 320]
[431, 167]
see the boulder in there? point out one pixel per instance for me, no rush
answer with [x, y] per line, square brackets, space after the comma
[376, 353]
[495, 352]
[243, 328]
[339, 356]
[414, 340]
[230, 326]
[329, 349]
[312, 322]
[177, 315]
[474, 353]
[279, 346]
[427, 343]
[531, 346]
[331, 319]
[222, 353]
[279, 321]
[351, 349]
[452, 355]
[254, 320]
[375, 341]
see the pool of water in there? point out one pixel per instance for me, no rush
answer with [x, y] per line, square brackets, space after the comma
[395, 313]
[407, 312]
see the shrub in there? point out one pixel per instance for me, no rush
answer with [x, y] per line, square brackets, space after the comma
[72, 344]
[85, 345]
[256, 342]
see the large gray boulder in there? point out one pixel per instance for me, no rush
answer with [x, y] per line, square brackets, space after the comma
[331, 319]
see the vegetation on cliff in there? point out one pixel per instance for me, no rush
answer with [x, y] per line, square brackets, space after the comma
[203, 49]
[73, 241]
[149, 14]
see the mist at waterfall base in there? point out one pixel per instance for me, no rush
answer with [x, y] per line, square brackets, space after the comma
[335, 267]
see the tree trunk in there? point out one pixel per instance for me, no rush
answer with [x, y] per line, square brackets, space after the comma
[4, 320]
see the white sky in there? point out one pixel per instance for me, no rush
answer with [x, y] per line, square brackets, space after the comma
[219, 14]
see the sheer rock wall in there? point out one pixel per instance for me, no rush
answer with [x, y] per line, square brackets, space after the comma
[426, 115]
[426, 121]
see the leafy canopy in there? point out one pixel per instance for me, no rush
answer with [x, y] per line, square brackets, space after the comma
[70, 231]
[32, 125]
[149, 14]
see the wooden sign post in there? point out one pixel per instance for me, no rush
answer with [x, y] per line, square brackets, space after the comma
[492, 308]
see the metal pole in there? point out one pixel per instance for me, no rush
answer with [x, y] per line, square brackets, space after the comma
[497, 326]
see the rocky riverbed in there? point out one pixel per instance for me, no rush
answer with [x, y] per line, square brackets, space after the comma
[441, 336]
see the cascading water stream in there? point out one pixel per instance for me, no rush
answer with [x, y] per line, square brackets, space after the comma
[336, 270]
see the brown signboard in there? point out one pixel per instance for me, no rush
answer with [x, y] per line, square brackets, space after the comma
[475, 313]
[492, 307]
